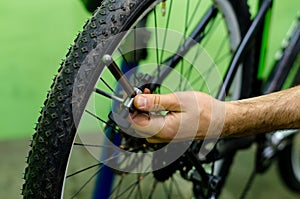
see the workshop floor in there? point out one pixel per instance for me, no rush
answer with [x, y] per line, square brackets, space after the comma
[13, 155]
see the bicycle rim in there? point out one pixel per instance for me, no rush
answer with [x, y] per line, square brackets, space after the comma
[144, 184]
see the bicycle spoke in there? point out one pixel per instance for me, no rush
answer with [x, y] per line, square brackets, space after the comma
[196, 10]
[131, 186]
[185, 28]
[107, 85]
[220, 49]
[123, 56]
[92, 145]
[130, 189]
[156, 41]
[167, 190]
[102, 162]
[184, 39]
[200, 50]
[206, 74]
[86, 183]
[203, 82]
[186, 17]
[117, 188]
[170, 189]
[153, 188]
[223, 57]
[85, 169]
[129, 64]
[139, 188]
[103, 121]
[181, 195]
[166, 32]
[208, 28]
[108, 95]
[188, 72]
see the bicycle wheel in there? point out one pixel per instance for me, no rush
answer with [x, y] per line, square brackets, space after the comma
[289, 157]
[147, 45]
[289, 163]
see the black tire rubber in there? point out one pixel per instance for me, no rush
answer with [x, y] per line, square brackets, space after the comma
[249, 75]
[56, 127]
[55, 131]
[287, 168]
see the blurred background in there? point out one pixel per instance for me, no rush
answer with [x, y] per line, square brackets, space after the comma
[35, 36]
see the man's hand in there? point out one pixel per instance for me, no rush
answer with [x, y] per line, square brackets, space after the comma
[190, 115]
[195, 115]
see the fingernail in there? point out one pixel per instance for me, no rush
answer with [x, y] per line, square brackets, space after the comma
[141, 102]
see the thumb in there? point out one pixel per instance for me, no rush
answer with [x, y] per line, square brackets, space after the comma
[156, 102]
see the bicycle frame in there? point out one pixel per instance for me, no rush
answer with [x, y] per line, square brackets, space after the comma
[255, 31]
[281, 69]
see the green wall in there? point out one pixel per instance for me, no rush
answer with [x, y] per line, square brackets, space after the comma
[34, 38]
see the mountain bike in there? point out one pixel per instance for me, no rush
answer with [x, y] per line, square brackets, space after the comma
[164, 46]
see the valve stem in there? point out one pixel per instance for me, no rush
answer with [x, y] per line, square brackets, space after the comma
[163, 7]
[108, 95]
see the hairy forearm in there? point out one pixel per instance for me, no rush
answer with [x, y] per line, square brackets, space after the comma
[280, 110]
